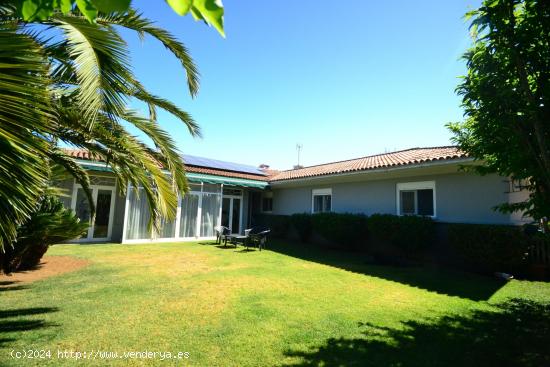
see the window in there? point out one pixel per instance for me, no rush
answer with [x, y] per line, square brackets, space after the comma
[198, 215]
[416, 198]
[518, 185]
[267, 205]
[321, 201]
[267, 202]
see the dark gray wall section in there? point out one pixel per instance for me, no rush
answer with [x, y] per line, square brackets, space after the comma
[460, 197]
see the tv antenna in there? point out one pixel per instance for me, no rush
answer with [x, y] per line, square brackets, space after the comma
[299, 148]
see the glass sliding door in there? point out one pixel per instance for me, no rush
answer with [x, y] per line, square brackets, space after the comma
[226, 207]
[104, 200]
[103, 213]
[138, 216]
[197, 217]
[236, 216]
[167, 229]
[210, 211]
[232, 213]
[82, 208]
[189, 214]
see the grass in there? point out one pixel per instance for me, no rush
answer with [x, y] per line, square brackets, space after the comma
[291, 306]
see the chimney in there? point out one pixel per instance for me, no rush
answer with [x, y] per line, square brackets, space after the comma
[264, 166]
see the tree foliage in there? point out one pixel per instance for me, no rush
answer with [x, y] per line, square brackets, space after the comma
[73, 88]
[506, 97]
[209, 11]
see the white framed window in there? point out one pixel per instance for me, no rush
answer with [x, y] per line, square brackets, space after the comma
[518, 185]
[416, 198]
[321, 200]
[267, 202]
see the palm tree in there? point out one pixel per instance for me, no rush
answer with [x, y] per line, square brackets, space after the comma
[73, 86]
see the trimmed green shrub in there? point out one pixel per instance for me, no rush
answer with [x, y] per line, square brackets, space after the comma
[490, 248]
[302, 224]
[50, 224]
[401, 235]
[278, 224]
[348, 231]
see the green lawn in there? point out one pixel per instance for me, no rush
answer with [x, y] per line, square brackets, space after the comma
[291, 305]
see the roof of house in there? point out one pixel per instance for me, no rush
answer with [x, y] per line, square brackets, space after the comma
[200, 165]
[387, 160]
[407, 157]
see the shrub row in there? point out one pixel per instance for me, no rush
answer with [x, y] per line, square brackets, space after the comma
[482, 248]
[279, 224]
[380, 234]
[407, 235]
[491, 248]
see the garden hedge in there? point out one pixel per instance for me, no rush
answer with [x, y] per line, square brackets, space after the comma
[490, 248]
[408, 236]
[346, 231]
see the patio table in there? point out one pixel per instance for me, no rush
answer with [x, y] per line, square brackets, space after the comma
[234, 238]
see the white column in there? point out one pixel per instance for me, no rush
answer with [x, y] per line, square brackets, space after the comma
[178, 216]
[199, 213]
[125, 221]
[221, 206]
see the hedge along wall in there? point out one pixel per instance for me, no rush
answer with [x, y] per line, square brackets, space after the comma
[491, 248]
[480, 248]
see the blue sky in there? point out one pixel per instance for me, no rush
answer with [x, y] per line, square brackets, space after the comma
[345, 82]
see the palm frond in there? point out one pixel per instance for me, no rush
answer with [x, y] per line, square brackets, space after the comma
[25, 119]
[170, 155]
[101, 64]
[155, 101]
[137, 22]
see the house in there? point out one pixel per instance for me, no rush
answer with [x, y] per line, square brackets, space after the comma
[417, 181]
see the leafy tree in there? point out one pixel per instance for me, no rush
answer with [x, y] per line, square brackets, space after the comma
[209, 11]
[74, 87]
[506, 97]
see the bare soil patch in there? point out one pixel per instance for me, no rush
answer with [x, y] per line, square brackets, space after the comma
[48, 267]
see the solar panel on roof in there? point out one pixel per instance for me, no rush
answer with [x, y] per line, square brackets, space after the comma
[214, 163]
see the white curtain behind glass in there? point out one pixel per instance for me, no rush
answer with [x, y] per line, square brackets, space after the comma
[138, 216]
[209, 213]
[189, 213]
[167, 229]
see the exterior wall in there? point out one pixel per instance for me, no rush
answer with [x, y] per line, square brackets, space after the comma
[460, 197]
[292, 200]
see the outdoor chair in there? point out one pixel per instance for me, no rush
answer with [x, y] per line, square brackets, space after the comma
[221, 234]
[258, 238]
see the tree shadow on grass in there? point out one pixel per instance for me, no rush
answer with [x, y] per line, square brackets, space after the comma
[516, 333]
[433, 279]
[12, 321]
[8, 285]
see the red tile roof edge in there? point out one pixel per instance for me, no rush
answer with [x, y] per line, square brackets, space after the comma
[404, 157]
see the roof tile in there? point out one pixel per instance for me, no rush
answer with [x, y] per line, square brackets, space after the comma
[400, 158]
[386, 160]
